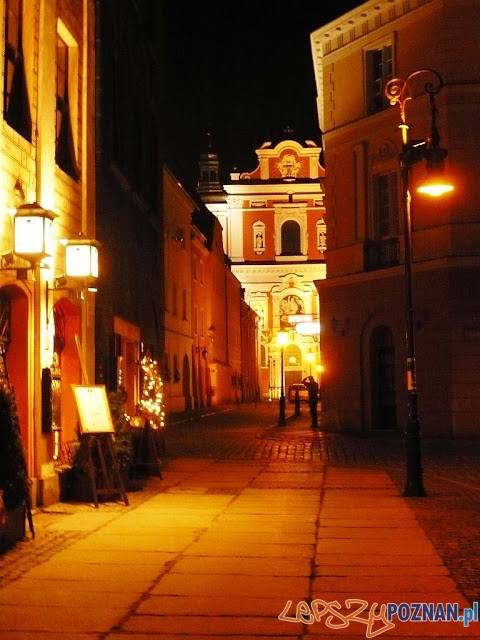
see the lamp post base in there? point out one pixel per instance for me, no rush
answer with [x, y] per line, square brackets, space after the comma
[281, 412]
[297, 403]
[414, 482]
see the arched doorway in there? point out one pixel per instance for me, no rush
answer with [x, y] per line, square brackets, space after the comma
[67, 320]
[382, 371]
[14, 344]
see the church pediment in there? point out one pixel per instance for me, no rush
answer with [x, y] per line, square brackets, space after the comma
[288, 160]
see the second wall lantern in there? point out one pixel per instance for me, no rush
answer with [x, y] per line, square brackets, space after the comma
[81, 258]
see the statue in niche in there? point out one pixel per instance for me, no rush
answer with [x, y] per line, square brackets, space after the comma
[259, 242]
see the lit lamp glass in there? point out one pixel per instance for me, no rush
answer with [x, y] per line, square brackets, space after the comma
[33, 233]
[81, 259]
[282, 338]
[435, 184]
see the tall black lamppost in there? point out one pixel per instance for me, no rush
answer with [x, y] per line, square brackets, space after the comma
[282, 339]
[398, 91]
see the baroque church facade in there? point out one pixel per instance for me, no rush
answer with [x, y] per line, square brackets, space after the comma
[274, 236]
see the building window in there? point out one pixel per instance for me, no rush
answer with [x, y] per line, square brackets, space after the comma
[383, 249]
[184, 304]
[16, 107]
[65, 148]
[379, 70]
[167, 374]
[290, 238]
[385, 205]
[263, 356]
[176, 372]
[174, 299]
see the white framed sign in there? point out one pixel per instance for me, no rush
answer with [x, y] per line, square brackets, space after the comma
[93, 410]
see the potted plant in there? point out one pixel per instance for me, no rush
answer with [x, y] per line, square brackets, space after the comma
[14, 483]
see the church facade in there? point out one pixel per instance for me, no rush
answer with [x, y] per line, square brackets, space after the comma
[274, 235]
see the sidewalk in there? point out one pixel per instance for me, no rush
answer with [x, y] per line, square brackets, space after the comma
[218, 547]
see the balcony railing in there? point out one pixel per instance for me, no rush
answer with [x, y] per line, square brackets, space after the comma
[378, 254]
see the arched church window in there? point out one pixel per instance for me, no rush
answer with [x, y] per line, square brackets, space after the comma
[290, 238]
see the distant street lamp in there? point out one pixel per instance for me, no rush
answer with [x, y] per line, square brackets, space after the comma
[398, 91]
[282, 340]
[310, 359]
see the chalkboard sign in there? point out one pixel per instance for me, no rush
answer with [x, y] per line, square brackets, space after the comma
[93, 409]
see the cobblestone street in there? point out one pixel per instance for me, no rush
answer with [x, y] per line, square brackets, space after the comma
[450, 514]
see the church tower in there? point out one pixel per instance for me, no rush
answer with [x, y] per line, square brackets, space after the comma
[210, 188]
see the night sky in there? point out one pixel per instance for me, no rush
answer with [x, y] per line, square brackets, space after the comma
[242, 71]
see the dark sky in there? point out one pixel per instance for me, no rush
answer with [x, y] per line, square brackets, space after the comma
[244, 72]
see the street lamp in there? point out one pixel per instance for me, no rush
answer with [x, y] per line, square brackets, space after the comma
[310, 359]
[282, 339]
[398, 91]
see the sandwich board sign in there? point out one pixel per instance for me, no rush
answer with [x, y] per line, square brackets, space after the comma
[93, 410]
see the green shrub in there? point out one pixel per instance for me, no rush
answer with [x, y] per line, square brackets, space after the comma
[13, 468]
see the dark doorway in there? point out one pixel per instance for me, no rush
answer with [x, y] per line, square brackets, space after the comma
[382, 366]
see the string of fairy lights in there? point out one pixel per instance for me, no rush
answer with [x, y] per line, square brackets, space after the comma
[151, 402]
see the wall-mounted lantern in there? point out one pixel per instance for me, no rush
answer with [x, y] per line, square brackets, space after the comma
[81, 258]
[33, 233]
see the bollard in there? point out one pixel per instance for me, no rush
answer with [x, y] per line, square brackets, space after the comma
[297, 403]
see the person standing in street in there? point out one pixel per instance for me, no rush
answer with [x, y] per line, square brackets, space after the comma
[312, 386]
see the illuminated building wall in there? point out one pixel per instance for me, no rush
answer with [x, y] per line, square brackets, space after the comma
[362, 310]
[46, 159]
